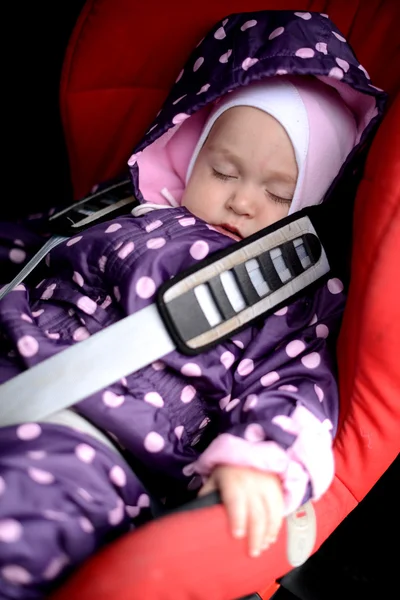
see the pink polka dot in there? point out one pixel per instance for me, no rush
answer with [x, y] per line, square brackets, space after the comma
[156, 243]
[322, 47]
[239, 344]
[85, 453]
[87, 305]
[295, 348]
[40, 476]
[303, 15]
[203, 89]
[248, 25]
[158, 365]
[102, 263]
[77, 277]
[16, 574]
[269, 378]
[335, 286]
[191, 370]
[154, 442]
[322, 331]
[74, 240]
[199, 250]
[126, 250]
[281, 311]
[245, 367]
[19, 243]
[116, 515]
[276, 33]
[132, 511]
[27, 346]
[248, 63]
[80, 334]
[117, 476]
[179, 431]
[312, 360]
[336, 73]
[188, 393]
[55, 566]
[319, 392]
[179, 76]
[220, 34]
[250, 402]
[10, 530]
[28, 431]
[364, 70]
[232, 404]
[254, 433]
[223, 403]
[143, 501]
[86, 525]
[305, 52]
[198, 64]
[313, 320]
[112, 400]
[16, 255]
[145, 287]
[343, 64]
[106, 303]
[2, 486]
[48, 292]
[339, 37]
[118, 245]
[281, 72]
[113, 227]
[187, 221]
[154, 398]
[37, 313]
[288, 388]
[227, 359]
[179, 118]
[225, 57]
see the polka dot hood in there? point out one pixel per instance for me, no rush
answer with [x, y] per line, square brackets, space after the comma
[319, 92]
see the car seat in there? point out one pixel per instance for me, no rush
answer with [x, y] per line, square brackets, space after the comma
[122, 58]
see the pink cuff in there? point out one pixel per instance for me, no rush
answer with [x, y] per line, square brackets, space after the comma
[310, 458]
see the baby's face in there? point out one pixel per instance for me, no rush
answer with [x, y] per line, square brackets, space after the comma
[245, 175]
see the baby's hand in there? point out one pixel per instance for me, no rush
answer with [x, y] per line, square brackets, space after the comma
[254, 502]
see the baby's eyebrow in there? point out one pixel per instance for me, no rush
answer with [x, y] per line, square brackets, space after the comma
[226, 152]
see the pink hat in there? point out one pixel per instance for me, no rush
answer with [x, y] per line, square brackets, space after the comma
[317, 120]
[320, 126]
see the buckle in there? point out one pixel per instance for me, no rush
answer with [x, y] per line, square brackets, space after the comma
[106, 204]
[207, 304]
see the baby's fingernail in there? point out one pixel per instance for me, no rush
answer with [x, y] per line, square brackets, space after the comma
[265, 546]
[238, 533]
[254, 552]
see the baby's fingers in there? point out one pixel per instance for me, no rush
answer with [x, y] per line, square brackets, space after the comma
[236, 507]
[257, 523]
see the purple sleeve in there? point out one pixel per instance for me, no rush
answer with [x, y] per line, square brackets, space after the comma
[282, 414]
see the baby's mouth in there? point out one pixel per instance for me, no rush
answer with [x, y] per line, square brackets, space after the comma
[229, 230]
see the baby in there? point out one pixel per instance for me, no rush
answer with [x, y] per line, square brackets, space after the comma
[254, 416]
[260, 155]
